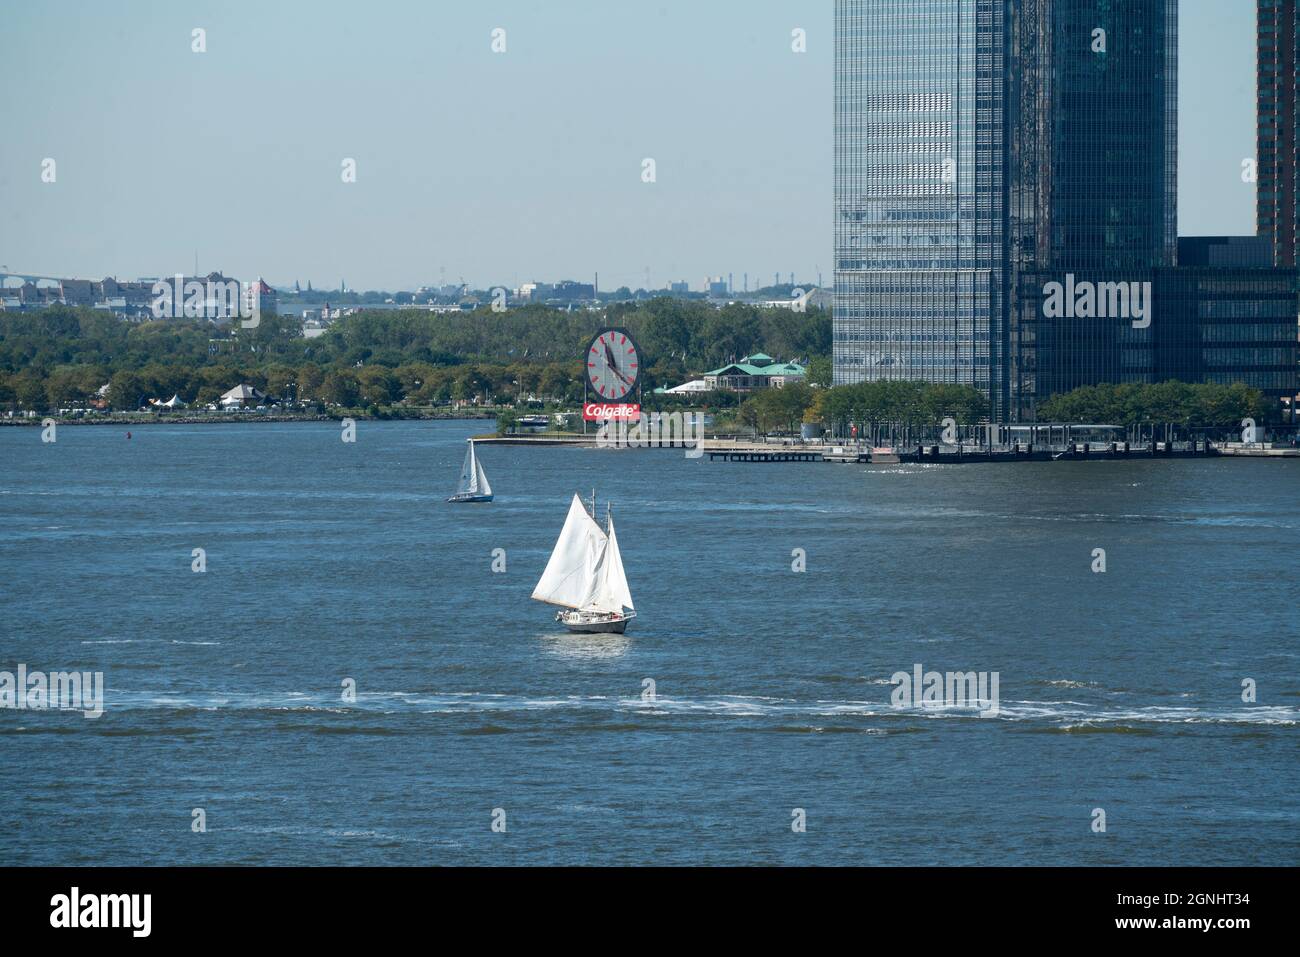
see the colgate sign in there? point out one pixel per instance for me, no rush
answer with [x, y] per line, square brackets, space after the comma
[611, 412]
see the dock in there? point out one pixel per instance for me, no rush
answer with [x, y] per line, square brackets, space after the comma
[749, 451]
[765, 455]
[972, 455]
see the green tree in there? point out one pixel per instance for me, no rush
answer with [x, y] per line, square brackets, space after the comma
[340, 387]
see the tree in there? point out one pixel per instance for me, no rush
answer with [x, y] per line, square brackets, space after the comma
[340, 388]
[127, 391]
[377, 385]
[29, 391]
[507, 420]
[820, 371]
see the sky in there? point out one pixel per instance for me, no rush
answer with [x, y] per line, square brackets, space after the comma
[473, 165]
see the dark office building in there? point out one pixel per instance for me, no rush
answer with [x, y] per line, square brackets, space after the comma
[1226, 314]
[1276, 117]
[1094, 185]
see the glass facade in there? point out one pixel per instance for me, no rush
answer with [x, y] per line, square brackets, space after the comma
[983, 149]
[1229, 324]
[1100, 154]
[919, 215]
[1275, 187]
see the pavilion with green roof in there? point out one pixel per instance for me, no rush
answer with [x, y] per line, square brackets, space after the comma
[754, 372]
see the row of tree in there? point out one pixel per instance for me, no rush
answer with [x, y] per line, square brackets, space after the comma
[895, 408]
[1208, 405]
[417, 383]
[61, 355]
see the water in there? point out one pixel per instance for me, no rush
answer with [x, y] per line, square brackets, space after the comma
[328, 561]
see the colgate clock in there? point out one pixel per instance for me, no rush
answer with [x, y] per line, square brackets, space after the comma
[613, 365]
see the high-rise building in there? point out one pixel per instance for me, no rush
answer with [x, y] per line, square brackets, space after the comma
[919, 214]
[983, 150]
[1092, 184]
[1276, 117]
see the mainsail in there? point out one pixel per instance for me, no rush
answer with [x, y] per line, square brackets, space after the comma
[473, 481]
[569, 574]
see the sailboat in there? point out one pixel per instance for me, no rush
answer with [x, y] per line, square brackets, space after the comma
[585, 575]
[473, 486]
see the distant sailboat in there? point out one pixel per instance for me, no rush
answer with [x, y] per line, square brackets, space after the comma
[585, 575]
[473, 486]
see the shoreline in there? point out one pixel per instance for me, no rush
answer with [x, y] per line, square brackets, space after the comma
[146, 418]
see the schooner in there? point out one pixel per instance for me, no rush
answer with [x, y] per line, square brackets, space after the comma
[585, 575]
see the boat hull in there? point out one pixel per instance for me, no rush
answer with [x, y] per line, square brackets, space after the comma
[586, 623]
[467, 497]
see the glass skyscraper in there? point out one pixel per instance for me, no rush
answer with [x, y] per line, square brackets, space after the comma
[984, 148]
[1275, 187]
[919, 214]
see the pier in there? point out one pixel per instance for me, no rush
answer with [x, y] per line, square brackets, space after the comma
[737, 450]
[765, 455]
[973, 454]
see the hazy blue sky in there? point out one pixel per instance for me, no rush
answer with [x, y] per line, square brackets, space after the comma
[492, 167]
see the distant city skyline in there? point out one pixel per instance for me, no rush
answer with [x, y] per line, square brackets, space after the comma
[491, 168]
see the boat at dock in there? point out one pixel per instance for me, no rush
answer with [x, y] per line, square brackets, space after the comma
[585, 576]
[473, 485]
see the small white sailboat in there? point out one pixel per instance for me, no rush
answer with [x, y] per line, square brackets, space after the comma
[585, 575]
[473, 485]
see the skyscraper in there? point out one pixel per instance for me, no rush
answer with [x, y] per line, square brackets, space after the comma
[1275, 196]
[1092, 180]
[919, 196]
[984, 149]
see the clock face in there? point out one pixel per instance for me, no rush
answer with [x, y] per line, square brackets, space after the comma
[613, 365]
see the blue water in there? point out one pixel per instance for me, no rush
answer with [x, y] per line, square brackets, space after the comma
[328, 561]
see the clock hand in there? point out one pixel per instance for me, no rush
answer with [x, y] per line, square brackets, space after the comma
[613, 364]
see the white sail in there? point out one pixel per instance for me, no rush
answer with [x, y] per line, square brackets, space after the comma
[615, 575]
[608, 592]
[472, 479]
[568, 575]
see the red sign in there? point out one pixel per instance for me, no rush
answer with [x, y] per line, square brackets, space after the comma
[611, 411]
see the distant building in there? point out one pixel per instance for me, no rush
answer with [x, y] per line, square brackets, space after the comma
[77, 292]
[259, 294]
[569, 290]
[137, 299]
[753, 373]
[241, 396]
